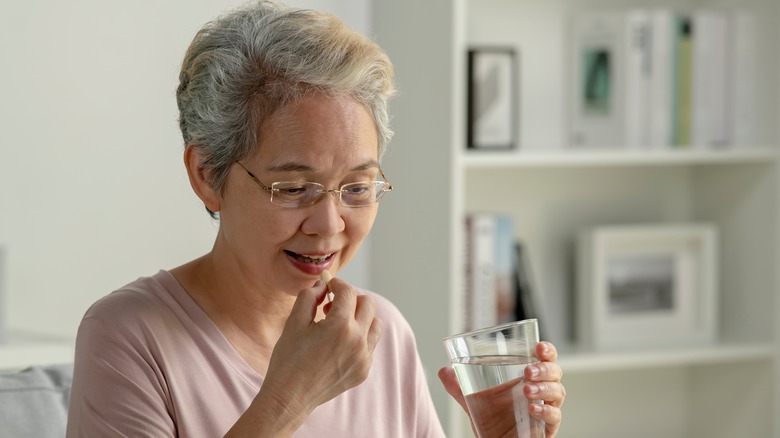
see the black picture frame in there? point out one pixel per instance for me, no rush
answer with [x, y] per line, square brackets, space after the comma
[492, 98]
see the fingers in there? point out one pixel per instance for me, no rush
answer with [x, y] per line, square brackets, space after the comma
[450, 382]
[544, 384]
[348, 304]
[305, 307]
[544, 378]
[344, 299]
[552, 393]
[546, 352]
[550, 415]
[543, 371]
[375, 333]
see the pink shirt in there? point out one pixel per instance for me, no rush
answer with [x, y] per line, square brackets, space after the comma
[150, 363]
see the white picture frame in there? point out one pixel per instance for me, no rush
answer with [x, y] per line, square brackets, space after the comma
[643, 286]
[596, 76]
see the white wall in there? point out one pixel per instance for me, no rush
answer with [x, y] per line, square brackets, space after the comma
[92, 190]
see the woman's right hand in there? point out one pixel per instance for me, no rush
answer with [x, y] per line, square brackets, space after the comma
[314, 362]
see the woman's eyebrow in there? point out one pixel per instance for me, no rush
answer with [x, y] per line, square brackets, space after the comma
[298, 167]
[290, 167]
[367, 165]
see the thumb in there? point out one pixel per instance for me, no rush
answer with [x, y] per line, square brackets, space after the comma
[450, 382]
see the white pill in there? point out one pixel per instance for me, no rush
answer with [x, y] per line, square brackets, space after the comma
[326, 277]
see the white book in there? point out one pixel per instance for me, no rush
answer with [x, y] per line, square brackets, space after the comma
[481, 298]
[711, 120]
[638, 78]
[661, 114]
[504, 285]
[744, 78]
[596, 100]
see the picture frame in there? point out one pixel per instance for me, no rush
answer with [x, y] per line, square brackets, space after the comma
[492, 98]
[596, 75]
[643, 286]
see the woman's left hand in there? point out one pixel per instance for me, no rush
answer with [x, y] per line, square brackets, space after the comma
[543, 382]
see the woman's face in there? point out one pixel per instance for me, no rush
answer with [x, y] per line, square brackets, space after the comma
[327, 140]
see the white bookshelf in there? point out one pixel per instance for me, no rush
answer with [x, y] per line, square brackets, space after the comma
[553, 190]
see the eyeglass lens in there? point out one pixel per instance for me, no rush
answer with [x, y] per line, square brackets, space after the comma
[294, 194]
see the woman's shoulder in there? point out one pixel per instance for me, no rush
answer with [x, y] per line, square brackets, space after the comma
[392, 318]
[143, 296]
[384, 307]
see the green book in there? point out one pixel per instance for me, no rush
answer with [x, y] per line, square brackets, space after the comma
[683, 82]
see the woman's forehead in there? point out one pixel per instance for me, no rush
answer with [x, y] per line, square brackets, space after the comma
[319, 129]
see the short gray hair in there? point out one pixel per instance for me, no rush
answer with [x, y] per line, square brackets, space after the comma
[242, 67]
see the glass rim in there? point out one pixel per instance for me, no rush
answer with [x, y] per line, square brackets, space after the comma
[493, 328]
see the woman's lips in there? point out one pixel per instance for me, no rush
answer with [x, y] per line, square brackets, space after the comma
[309, 263]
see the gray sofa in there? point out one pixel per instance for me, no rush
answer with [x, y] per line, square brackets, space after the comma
[34, 401]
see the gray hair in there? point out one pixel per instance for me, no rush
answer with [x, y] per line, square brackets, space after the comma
[243, 66]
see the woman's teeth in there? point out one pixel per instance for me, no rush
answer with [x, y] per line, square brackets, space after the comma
[313, 259]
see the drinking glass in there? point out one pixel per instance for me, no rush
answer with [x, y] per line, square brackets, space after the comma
[489, 364]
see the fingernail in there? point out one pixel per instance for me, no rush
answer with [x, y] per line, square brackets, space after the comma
[318, 283]
[545, 347]
[533, 389]
[536, 408]
[534, 370]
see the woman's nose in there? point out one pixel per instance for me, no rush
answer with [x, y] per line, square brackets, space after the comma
[325, 218]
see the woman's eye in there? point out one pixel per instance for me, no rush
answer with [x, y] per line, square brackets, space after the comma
[292, 190]
[357, 189]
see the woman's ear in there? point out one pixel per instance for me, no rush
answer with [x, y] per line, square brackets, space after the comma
[193, 161]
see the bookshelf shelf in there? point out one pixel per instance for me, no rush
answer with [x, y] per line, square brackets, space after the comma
[573, 361]
[597, 158]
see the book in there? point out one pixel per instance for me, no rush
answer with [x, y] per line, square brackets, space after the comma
[743, 77]
[527, 303]
[649, 78]
[479, 299]
[504, 250]
[710, 123]
[661, 78]
[683, 60]
[489, 295]
[638, 78]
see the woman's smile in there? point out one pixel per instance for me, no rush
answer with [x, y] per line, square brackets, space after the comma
[312, 264]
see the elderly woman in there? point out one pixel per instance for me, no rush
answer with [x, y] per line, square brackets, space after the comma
[284, 117]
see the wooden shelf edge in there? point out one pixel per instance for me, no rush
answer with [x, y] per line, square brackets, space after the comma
[582, 362]
[613, 157]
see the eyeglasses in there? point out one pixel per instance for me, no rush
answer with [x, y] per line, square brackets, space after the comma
[303, 194]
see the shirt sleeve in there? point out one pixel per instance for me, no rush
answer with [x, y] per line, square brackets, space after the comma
[136, 404]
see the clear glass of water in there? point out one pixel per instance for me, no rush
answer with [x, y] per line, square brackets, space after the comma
[489, 364]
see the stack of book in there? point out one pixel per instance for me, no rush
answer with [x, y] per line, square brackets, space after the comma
[662, 78]
[498, 286]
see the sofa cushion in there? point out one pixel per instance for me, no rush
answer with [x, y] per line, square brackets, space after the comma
[34, 401]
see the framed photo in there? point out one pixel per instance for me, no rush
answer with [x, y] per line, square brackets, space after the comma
[647, 286]
[596, 70]
[492, 98]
